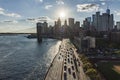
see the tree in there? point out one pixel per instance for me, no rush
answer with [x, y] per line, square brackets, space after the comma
[87, 66]
[92, 73]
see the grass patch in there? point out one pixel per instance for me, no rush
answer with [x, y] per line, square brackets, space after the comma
[117, 52]
[110, 70]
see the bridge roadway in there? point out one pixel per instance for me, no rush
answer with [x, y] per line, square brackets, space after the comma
[65, 65]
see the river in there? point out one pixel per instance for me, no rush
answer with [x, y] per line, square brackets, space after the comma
[24, 59]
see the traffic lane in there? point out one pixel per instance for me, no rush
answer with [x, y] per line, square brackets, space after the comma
[55, 69]
[69, 71]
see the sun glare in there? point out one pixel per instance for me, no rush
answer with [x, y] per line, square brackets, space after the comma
[62, 14]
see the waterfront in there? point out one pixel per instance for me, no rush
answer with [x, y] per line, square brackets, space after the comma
[25, 59]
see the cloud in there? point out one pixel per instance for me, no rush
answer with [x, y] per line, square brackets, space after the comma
[117, 13]
[59, 2]
[10, 21]
[49, 19]
[32, 20]
[48, 6]
[43, 19]
[12, 15]
[87, 7]
[103, 3]
[101, 9]
[4, 13]
[1, 9]
[102, 0]
[41, 0]
[40, 19]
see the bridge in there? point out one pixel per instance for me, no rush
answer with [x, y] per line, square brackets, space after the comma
[66, 64]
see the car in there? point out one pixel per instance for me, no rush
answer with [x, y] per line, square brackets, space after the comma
[69, 70]
[65, 68]
[65, 76]
[74, 75]
[72, 67]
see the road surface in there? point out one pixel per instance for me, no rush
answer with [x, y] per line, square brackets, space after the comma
[66, 64]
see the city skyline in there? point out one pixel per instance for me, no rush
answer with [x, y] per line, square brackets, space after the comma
[19, 15]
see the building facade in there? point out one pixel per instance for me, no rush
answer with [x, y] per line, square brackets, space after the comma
[104, 22]
[115, 37]
[71, 22]
[118, 25]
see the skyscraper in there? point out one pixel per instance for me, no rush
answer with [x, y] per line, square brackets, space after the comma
[104, 22]
[77, 28]
[108, 11]
[59, 23]
[107, 22]
[118, 25]
[65, 23]
[71, 22]
[45, 28]
[57, 27]
[87, 23]
[66, 29]
[77, 24]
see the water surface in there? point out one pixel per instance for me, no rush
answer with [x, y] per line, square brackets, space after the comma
[25, 59]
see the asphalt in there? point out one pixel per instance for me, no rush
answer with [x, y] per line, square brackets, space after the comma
[66, 65]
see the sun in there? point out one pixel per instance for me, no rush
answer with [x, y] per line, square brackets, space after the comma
[62, 14]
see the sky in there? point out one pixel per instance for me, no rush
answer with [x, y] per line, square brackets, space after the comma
[22, 15]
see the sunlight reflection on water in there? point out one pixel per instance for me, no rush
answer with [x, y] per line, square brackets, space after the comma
[25, 59]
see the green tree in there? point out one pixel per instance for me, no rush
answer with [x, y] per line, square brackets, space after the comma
[87, 66]
[93, 74]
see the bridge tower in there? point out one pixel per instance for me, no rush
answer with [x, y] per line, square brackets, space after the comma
[42, 23]
[39, 32]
